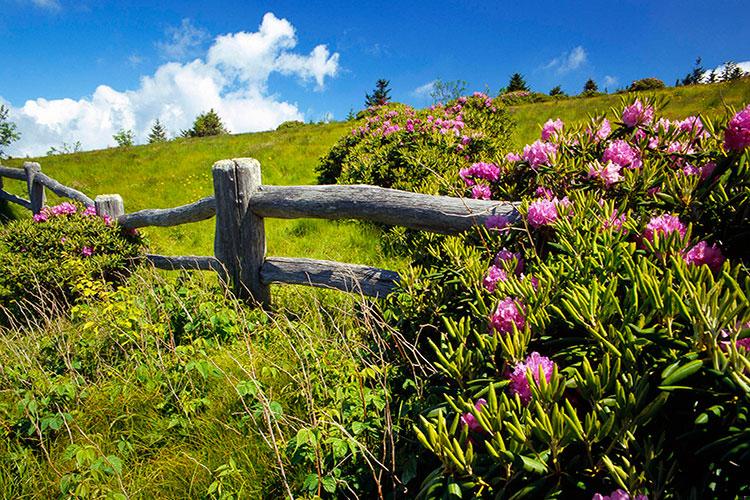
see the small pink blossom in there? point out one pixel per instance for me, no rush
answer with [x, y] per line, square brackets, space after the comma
[702, 253]
[615, 221]
[87, 251]
[663, 225]
[480, 170]
[637, 114]
[539, 153]
[603, 131]
[543, 192]
[506, 255]
[64, 208]
[494, 275]
[481, 192]
[41, 216]
[90, 211]
[496, 222]
[623, 154]
[513, 157]
[618, 494]
[608, 173]
[552, 129]
[470, 421]
[737, 134]
[509, 312]
[693, 125]
[703, 171]
[519, 382]
[542, 212]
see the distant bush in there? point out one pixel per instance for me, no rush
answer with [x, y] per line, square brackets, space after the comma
[205, 125]
[290, 124]
[44, 258]
[646, 84]
[124, 138]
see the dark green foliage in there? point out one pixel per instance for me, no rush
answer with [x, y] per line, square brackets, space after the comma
[124, 138]
[731, 72]
[646, 84]
[517, 83]
[590, 88]
[556, 91]
[289, 124]
[696, 75]
[158, 133]
[205, 125]
[8, 133]
[380, 96]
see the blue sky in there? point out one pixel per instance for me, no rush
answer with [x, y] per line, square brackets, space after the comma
[75, 70]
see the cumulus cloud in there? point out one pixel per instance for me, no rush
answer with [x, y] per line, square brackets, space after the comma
[232, 79]
[183, 41]
[718, 70]
[424, 90]
[568, 61]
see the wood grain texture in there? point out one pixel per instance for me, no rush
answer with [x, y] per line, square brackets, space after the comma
[4, 195]
[441, 214]
[369, 281]
[163, 217]
[35, 187]
[192, 262]
[12, 173]
[110, 205]
[240, 239]
[63, 190]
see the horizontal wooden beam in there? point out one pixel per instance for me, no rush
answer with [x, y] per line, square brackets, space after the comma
[4, 195]
[440, 214]
[193, 212]
[192, 262]
[370, 281]
[62, 190]
[13, 173]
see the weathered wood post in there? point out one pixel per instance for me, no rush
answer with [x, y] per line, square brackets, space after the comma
[240, 241]
[36, 188]
[110, 205]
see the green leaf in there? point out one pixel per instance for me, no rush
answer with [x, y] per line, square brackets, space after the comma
[676, 374]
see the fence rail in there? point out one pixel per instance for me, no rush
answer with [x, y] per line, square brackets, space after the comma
[241, 203]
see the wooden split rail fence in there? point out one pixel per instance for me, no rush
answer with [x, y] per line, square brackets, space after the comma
[241, 203]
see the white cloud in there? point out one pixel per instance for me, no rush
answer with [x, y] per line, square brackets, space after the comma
[232, 79]
[184, 41]
[424, 90]
[568, 61]
[134, 60]
[53, 5]
[718, 70]
[610, 81]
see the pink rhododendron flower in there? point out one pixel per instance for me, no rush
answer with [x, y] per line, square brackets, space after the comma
[637, 114]
[602, 132]
[506, 255]
[470, 421]
[513, 157]
[737, 134]
[87, 251]
[41, 216]
[663, 225]
[539, 153]
[496, 222]
[623, 154]
[692, 124]
[64, 208]
[487, 171]
[704, 171]
[509, 312]
[90, 211]
[543, 212]
[481, 192]
[494, 274]
[653, 190]
[551, 129]
[618, 494]
[702, 253]
[519, 383]
[543, 192]
[609, 173]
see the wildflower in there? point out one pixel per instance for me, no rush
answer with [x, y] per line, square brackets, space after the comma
[704, 171]
[41, 216]
[702, 253]
[519, 382]
[637, 114]
[737, 135]
[544, 212]
[543, 192]
[623, 154]
[603, 131]
[508, 313]
[481, 192]
[663, 225]
[539, 153]
[470, 421]
[513, 157]
[618, 494]
[90, 211]
[480, 170]
[494, 275]
[64, 208]
[496, 222]
[551, 129]
[692, 124]
[506, 255]
[609, 173]
[87, 251]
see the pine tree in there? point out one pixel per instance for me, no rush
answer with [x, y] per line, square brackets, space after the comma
[380, 95]
[695, 76]
[517, 83]
[158, 133]
[206, 124]
[590, 87]
[556, 91]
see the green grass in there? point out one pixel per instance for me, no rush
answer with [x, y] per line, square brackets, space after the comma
[708, 100]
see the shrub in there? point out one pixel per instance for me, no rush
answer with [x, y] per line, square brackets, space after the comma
[124, 138]
[290, 124]
[205, 125]
[45, 257]
[646, 84]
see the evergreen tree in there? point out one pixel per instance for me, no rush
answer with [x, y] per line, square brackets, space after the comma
[8, 132]
[158, 133]
[590, 87]
[124, 138]
[695, 76]
[556, 91]
[517, 83]
[731, 72]
[380, 95]
[206, 124]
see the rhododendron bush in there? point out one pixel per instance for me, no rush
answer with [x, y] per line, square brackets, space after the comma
[43, 258]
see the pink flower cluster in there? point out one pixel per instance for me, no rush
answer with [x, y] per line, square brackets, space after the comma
[64, 208]
[508, 313]
[663, 225]
[543, 212]
[609, 173]
[637, 114]
[519, 382]
[498, 270]
[737, 135]
[615, 222]
[539, 153]
[552, 129]
[621, 153]
[702, 253]
[618, 494]
[470, 421]
[496, 222]
[485, 171]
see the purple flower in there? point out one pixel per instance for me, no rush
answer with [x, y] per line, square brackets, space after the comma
[663, 225]
[470, 421]
[623, 154]
[519, 382]
[543, 192]
[90, 211]
[692, 124]
[618, 494]
[551, 129]
[539, 153]
[486, 171]
[41, 216]
[637, 114]
[481, 192]
[494, 274]
[543, 212]
[737, 134]
[512, 157]
[64, 208]
[509, 312]
[87, 251]
[615, 221]
[496, 222]
[702, 253]
[609, 173]
[506, 255]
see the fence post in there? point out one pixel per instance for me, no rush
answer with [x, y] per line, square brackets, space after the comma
[110, 205]
[240, 240]
[36, 189]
